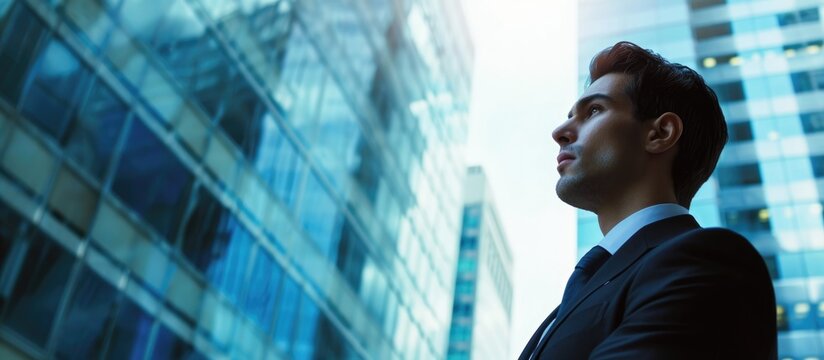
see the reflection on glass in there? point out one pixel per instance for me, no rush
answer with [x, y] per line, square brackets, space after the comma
[320, 217]
[20, 33]
[151, 180]
[286, 313]
[41, 280]
[260, 299]
[168, 345]
[92, 138]
[130, 332]
[87, 318]
[58, 83]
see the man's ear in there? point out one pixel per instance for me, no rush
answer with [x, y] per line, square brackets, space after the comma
[663, 133]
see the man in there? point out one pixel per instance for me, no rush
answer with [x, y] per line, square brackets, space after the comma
[637, 146]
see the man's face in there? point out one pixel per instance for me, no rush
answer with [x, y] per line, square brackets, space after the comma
[602, 145]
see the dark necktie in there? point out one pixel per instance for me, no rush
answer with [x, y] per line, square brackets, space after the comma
[584, 270]
[587, 266]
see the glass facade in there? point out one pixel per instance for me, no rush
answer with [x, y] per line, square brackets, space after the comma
[482, 309]
[763, 58]
[272, 179]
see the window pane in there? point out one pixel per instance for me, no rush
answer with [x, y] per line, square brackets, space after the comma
[287, 311]
[228, 267]
[320, 217]
[92, 139]
[748, 174]
[152, 181]
[87, 318]
[801, 82]
[130, 334]
[73, 200]
[741, 131]
[305, 338]
[41, 280]
[169, 346]
[58, 83]
[203, 237]
[242, 113]
[20, 33]
[260, 299]
[9, 223]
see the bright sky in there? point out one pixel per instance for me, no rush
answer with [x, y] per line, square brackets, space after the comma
[524, 84]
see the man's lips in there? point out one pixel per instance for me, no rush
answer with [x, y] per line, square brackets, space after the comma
[564, 158]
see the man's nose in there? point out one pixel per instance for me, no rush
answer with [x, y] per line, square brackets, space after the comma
[564, 134]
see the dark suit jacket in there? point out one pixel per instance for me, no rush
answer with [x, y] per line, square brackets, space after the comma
[673, 291]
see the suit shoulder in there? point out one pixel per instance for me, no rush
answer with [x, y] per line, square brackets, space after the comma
[711, 244]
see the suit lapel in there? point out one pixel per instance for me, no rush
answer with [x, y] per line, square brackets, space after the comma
[638, 244]
[536, 337]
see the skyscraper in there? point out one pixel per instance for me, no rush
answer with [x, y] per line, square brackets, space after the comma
[481, 314]
[763, 59]
[253, 179]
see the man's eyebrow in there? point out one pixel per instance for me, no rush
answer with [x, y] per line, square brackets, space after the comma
[589, 98]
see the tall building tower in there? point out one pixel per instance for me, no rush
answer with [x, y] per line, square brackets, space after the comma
[273, 179]
[764, 60]
[481, 314]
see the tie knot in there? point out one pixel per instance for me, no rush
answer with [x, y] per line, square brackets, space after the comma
[593, 260]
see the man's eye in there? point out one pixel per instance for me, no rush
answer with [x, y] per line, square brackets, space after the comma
[594, 110]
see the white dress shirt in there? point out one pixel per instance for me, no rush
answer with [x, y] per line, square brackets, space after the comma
[621, 232]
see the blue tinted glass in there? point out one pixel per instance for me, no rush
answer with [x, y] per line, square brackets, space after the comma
[228, 267]
[340, 148]
[305, 342]
[330, 342]
[242, 115]
[790, 265]
[130, 333]
[278, 163]
[351, 256]
[41, 280]
[802, 82]
[320, 217]
[204, 234]
[9, 223]
[201, 66]
[20, 42]
[92, 139]
[286, 313]
[87, 317]
[151, 180]
[261, 298]
[813, 122]
[168, 345]
[58, 82]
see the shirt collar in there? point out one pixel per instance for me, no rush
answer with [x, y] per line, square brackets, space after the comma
[622, 231]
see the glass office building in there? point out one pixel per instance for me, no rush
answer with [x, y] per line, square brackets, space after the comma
[481, 314]
[764, 59]
[253, 179]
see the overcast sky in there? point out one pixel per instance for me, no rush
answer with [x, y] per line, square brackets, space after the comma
[524, 84]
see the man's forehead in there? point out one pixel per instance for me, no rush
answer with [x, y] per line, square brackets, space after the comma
[612, 84]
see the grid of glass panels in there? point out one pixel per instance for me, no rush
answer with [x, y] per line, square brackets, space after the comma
[192, 179]
[764, 61]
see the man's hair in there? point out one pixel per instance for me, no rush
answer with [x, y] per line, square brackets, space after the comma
[657, 86]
